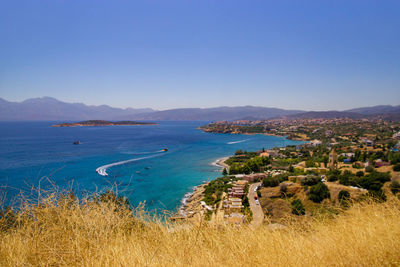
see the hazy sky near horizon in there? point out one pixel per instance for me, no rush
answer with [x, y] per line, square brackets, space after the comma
[311, 55]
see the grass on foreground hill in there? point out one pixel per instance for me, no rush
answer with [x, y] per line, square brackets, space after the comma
[65, 232]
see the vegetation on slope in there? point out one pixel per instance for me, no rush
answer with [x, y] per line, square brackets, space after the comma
[103, 232]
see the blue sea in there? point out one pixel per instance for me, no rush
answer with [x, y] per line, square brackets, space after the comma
[34, 153]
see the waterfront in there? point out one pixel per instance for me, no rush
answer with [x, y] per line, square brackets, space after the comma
[32, 151]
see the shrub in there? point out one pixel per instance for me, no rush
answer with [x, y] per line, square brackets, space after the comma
[348, 178]
[344, 197]
[395, 187]
[271, 181]
[310, 164]
[310, 180]
[298, 207]
[374, 181]
[318, 192]
[394, 157]
[378, 195]
[333, 175]
[111, 197]
[282, 177]
[396, 167]
[369, 169]
[360, 174]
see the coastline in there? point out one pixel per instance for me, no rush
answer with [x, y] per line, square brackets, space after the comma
[101, 123]
[221, 163]
[245, 133]
[190, 203]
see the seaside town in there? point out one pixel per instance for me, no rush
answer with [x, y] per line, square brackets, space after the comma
[341, 161]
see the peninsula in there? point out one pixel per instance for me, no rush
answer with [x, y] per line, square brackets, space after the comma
[102, 123]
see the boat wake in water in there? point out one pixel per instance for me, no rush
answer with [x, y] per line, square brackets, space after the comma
[142, 153]
[237, 142]
[103, 169]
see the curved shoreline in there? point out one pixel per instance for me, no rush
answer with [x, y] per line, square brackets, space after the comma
[190, 203]
[221, 162]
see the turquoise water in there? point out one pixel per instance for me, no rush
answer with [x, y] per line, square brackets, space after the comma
[33, 152]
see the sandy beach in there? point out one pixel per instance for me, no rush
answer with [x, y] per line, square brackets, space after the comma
[221, 163]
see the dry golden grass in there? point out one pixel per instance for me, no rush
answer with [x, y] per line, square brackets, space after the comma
[65, 233]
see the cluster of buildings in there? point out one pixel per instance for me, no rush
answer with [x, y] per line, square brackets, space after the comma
[235, 195]
[233, 203]
[237, 191]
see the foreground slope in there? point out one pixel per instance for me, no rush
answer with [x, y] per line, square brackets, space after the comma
[99, 234]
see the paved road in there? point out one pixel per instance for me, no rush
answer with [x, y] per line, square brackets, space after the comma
[258, 214]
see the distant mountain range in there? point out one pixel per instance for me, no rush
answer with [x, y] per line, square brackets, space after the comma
[51, 109]
[325, 115]
[385, 109]
[385, 112]
[214, 114]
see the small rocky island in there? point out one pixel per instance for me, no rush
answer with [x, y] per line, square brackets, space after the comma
[102, 123]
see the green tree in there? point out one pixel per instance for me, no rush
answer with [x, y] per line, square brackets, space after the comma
[224, 172]
[234, 168]
[326, 161]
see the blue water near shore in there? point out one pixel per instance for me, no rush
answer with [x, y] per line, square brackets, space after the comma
[33, 152]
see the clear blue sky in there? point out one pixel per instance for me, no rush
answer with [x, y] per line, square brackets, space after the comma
[313, 55]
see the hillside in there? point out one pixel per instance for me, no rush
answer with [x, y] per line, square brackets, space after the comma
[383, 112]
[382, 109]
[326, 115]
[69, 233]
[219, 113]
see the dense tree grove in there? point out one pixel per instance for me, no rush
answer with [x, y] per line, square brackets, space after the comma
[254, 164]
